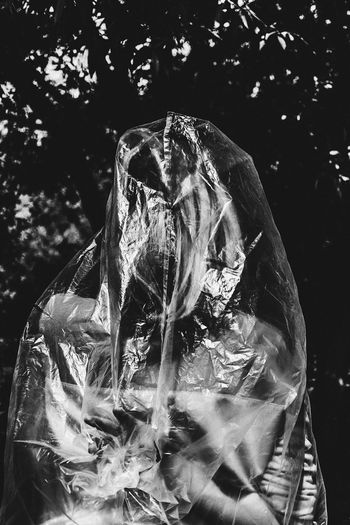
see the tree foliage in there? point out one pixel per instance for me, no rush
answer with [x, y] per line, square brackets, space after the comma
[274, 76]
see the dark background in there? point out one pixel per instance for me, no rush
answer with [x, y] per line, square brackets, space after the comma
[274, 76]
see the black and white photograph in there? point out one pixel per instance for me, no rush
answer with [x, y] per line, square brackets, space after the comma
[174, 262]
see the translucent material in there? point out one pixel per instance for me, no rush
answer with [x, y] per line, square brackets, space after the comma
[161, 377]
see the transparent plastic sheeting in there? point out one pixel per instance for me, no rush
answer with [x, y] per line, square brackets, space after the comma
[161, 377]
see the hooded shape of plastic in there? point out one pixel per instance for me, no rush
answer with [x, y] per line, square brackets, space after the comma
[161, 377]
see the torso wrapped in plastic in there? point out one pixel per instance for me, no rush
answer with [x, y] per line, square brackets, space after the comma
[161, 377]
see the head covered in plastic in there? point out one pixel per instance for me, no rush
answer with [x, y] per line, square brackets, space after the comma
[161, 376]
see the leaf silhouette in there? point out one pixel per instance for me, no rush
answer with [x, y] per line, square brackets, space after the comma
[282, 41]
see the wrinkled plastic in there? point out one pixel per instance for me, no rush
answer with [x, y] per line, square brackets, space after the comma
[161, 377]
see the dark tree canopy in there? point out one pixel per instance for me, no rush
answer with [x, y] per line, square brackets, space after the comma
[273, 75]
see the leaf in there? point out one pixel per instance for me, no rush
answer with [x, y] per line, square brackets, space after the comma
[282, 41]
[244, 20]
[287, 34]
[261, 44]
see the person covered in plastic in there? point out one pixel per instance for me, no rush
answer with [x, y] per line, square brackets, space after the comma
[161, 377]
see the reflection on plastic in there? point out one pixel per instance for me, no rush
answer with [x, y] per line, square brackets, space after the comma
[161, 377]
